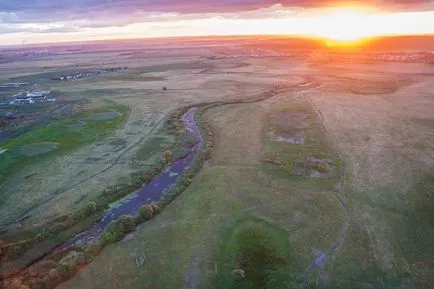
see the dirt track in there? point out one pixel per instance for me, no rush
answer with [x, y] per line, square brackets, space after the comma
[113, 162]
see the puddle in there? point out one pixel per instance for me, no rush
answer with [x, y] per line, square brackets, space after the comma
[292, 138]
[314, 167]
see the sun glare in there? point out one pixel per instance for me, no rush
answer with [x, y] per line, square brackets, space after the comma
[346, 25]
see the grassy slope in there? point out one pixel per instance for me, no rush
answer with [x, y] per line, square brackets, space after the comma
[315, 144]
[146, 158]
[388, 150]
[261, 251]
[183, 244]
[68, 133]
[398, 234]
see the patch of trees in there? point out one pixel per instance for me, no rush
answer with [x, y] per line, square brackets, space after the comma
[60, 265]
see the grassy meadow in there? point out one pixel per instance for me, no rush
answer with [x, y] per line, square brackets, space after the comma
[333, 159]
[200, 230]
[66, 135]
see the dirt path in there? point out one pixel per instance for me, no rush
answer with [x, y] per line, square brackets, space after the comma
[322, 257]
[113, 162]
[192, 275]
[191, 279]
[277, 89]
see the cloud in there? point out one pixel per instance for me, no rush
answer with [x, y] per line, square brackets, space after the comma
[50, 10]
[37, 28]
[95, 17]
[99, 18]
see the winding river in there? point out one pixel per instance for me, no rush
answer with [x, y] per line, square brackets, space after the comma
[151, 192]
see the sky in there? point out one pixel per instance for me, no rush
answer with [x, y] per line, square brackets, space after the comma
[39, 21]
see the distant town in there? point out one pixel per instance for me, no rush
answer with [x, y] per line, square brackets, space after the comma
[38, 95]
[88, 74]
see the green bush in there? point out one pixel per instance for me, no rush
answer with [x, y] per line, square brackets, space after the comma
[155, 209]
[145, 213]
[108, 192]
[128, 223]
[168, 155]
[175, 192]
[322, 167]
[66, 271]
[116, 230]
[113, 233]
[82, 214]
[16, 283]
[53, 278]
[91, 251]
[36, 271]
[2, 248]
[58, 227]
[36, 283]
[14, 251]
[72, 259]
[41, 269]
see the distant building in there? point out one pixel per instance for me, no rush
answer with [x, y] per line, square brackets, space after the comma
[13, 84]
[31, 97]
[37, 94]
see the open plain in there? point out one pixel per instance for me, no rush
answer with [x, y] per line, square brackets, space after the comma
[329, 178]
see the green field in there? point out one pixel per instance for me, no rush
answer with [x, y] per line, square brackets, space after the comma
[255, 255]
[213, 208]
[340, 162]
[68, 134]
[28, 245]
[287, 157]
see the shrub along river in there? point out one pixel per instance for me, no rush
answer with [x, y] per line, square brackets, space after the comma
[151, 192]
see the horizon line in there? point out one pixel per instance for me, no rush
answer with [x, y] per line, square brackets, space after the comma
[186, 37]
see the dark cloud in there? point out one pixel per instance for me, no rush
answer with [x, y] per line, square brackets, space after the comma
[100, 12]
[185, 6]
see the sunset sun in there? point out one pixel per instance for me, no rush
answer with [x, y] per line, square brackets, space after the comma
[347, 25]
[226, 144]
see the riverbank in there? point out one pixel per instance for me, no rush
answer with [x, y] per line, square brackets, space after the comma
[81, 251]
[188, 237]
[94, 210]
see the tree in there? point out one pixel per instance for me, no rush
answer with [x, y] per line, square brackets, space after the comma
[92, 204]
[128, 223]
[2, 248]
[16, 283]
[145, 213]
[168, 156]
[113, 233]
[155, 209]
[92, 250]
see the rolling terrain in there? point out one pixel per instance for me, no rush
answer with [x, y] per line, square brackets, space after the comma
[319, 176]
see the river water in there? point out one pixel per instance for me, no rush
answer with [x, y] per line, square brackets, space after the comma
[151, 192]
